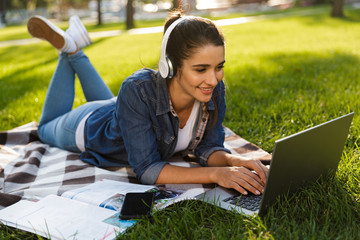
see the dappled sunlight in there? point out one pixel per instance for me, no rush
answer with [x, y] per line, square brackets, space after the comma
[306, 90]
[286, 75]
[117, 58]
[25, 70]
[330, 217]
[283, 75]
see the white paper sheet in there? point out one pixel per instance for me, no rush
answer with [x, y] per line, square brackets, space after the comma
[60, 218]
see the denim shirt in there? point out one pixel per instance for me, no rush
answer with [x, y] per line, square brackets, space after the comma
[141, 128]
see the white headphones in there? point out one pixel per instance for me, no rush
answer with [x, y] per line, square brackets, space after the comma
[165, 65]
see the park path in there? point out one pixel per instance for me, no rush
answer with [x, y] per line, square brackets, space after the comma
[222, 22]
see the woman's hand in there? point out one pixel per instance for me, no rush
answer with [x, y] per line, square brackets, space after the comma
[242, 174]
[252, 164]
[240, 178]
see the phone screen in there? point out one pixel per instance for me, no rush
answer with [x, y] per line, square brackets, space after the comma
[137, 205]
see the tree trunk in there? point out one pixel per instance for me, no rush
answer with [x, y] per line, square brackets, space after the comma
[2, 12]
[192, 5]
[176, 4]
[99, 17]
[62, 6]
[185, 5]
[337, 8]
[130, 14]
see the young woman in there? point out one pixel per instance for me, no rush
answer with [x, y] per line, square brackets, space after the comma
[179, 109]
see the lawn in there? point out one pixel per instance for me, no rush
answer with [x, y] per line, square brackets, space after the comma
[283, 75]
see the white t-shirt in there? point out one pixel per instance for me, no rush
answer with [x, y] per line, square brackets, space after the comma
[186, 133]
[79, 134]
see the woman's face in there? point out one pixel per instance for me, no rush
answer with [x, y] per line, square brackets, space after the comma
[200, 74]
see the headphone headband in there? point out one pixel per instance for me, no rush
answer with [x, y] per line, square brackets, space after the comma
[165, 65]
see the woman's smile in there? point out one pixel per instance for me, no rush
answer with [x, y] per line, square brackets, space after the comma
[198, 76]
[206, 91]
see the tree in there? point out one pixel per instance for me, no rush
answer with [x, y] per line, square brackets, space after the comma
[176, 3]
[185, 5]
[337, 8]
[130, 14]
[2, 12]
[99, 17]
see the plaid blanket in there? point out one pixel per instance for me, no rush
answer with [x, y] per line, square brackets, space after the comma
[30, 169]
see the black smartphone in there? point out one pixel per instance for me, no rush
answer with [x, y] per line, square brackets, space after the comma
[137, 205]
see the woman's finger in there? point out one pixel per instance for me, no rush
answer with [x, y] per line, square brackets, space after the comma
[249, 180]
[259, 168]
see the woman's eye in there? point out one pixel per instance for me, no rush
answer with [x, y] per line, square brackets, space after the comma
[220, 67]
[201, 70]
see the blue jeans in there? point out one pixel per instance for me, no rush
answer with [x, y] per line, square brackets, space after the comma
[58, 122]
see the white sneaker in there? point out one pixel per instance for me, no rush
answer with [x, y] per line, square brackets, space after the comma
[40, 27]
[78, 32]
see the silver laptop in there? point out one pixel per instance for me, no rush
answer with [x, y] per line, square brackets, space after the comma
[296, 160]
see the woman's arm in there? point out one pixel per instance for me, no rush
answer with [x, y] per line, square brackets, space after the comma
[238, 178]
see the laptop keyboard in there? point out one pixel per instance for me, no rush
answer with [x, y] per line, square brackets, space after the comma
[250, 201]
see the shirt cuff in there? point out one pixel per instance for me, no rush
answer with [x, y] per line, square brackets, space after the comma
[205, 156]
[151, 174]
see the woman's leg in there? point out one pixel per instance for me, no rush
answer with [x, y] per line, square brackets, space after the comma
[58, 103]
[93, 86]
[59, 122]
[61, 91]
[61, 131]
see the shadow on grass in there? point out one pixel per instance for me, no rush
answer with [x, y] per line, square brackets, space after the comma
[193, 219]
[279, 95]
[351, 15]
[323, 209]
[22, 76]
[16, 234]
[29, 70]
[286, 93]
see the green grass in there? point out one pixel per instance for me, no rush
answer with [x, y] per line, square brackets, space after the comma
[283, 75]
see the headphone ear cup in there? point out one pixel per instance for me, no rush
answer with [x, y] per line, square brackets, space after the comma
[170, 67]
[164, 68]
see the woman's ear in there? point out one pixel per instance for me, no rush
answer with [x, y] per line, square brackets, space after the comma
[178, 72]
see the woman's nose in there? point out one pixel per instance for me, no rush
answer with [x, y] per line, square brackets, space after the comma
[212, 79]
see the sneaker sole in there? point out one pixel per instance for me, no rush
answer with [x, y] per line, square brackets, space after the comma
[40, 29]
